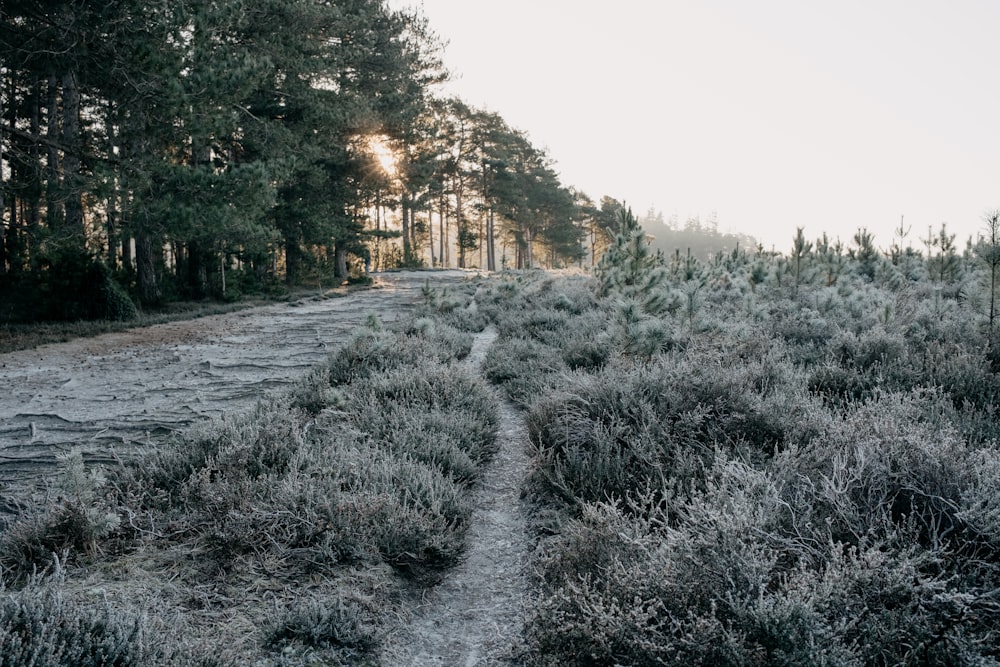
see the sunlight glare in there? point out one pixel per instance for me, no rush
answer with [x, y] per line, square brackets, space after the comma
[378, 146]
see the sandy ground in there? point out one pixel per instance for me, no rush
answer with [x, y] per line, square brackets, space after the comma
[120, 391]
[475, 616]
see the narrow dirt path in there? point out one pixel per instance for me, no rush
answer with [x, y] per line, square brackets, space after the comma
[476, 614]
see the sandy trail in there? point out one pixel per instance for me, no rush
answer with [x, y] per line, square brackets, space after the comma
[125, 390]
[476, 614]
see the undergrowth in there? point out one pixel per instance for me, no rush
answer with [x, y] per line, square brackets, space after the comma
[337, 497]
[783, 478]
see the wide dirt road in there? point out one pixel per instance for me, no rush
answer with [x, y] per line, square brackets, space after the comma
[125, 390]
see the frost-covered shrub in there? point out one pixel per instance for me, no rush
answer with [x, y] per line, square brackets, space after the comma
[587, 342]
[871, 348]
[439, 415]
[886, 470]
[441, 341]
[466, 319]
[740, 574]
[341, 624]
[544, 325]
[937, 318]
[636, 333]
[522, 367]
[72, 521]
[800, 326]
[575, 296]
[42, 629]
[499, 295]
[414, 514]
[838, 386]
[371, 350]
[626, 427]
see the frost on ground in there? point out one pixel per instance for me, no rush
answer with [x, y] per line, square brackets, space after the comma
[119, 392]
[475, 615]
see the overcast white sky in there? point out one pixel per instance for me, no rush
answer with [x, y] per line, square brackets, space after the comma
[772, 113]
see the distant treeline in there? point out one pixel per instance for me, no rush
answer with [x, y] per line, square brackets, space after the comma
[702, 240]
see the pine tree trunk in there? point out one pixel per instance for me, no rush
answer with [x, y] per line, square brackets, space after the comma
[72, 177]
[529, 236]
[4, 255]
[340, 263]
[407, 249]
[53, 205]
[442, 232]
[460, 222]
[414, 244]
[127, 251]
[430, 235]
[197, 270]
[150, 293]
[10, 242]
[445, 238]
[491, 255]
[112, 203]
[292, 262]
[35, 204]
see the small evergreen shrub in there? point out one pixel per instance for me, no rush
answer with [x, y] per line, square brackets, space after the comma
[605, 435]
[76, 518]
[467, 320]
[839, 386]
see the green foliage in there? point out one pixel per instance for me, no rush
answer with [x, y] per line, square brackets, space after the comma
[74, 521]
[74, 286]
[801, 250]
[943, 263]
[203, 127]
[630, 270]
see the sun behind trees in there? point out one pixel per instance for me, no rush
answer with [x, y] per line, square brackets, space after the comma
[198, 150]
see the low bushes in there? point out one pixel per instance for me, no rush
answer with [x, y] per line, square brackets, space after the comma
[374, 349]
[800, 477]
[44, 630]
[366, 467]
[434, 414]
[522, 367]
[858, 550]
[605, 435]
